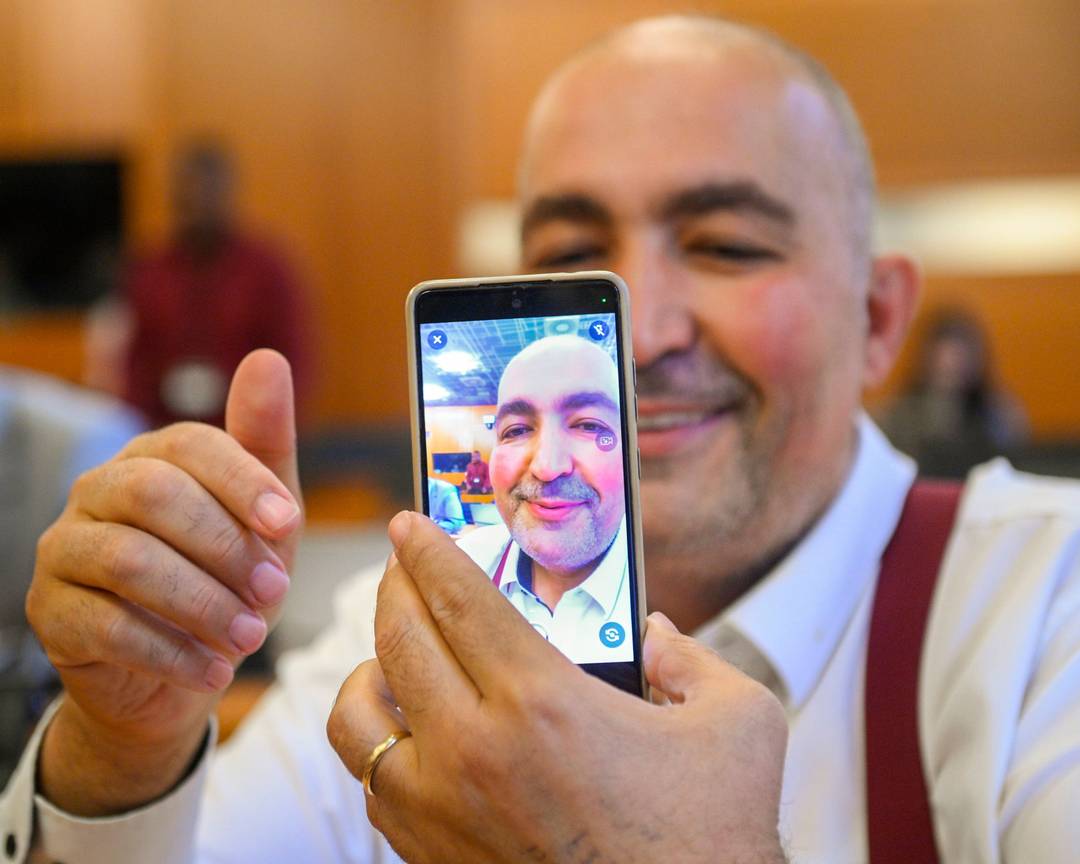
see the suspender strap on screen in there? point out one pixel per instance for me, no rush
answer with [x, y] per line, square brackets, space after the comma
[900, 828]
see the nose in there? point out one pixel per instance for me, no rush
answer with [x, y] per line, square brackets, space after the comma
[663, 320]
[551, 457]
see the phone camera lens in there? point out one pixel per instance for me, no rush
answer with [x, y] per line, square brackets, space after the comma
[516, 302]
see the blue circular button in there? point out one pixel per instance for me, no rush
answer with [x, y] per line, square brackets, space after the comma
[612, 635]
[436, 339]
[598, 331]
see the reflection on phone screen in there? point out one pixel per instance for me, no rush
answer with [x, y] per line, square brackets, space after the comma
[522, 429]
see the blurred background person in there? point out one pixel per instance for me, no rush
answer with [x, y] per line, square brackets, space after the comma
[952, 414]
[446, 509]
[477, 477]
[213, 294]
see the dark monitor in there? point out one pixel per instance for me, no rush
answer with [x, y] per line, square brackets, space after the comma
[450, 463]
[61, 226]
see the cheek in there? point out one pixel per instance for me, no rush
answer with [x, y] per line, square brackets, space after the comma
[602, 471]
[776, 331]
[505, 468]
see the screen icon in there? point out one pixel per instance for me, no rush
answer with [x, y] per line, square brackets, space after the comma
[612, 634]
[436, 339]
[598, 331]
[606, 441]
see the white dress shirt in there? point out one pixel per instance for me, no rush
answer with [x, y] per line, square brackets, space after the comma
[578, 624]
[999, 701]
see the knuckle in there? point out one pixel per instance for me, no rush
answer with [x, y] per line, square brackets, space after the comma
[114, 631]
[129, 558]
[176, 442]
[153, 485]
[47, 546]
[85, 482]
[225, 545]
[392, 638]
[203, 604]
[235, 476]
[451, 600]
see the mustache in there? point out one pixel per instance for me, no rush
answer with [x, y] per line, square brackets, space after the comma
[568, 488]
[695, 375]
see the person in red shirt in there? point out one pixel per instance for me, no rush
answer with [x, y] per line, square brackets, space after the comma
[477, 480]
[199, 305]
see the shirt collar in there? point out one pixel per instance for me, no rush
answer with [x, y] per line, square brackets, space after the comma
[796, 615]
[602, 585]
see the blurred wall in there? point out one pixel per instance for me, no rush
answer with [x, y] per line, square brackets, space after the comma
[363, 128]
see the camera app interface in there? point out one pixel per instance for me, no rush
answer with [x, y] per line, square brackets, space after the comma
[525, 468]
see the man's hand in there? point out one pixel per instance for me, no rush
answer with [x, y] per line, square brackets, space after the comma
[166, 569]
[518, 755]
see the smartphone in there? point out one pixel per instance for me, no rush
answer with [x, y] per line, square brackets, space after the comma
[525, 450]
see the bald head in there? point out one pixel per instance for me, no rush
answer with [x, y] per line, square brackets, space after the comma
[568, 363]
[761, 56]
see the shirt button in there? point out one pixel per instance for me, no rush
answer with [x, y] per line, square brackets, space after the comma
[11, 846]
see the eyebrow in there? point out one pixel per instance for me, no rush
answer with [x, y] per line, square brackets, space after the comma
[517, 407]
[577, 401]
[733, 196]
[572, 207]
[568, 403]
[737, 196]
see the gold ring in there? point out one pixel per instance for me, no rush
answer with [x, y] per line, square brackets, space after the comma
[378, 753]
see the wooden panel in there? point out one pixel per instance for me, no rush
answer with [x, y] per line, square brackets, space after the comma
[49, 343]
[946, 88]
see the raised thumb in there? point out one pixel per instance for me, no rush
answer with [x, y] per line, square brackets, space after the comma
[260, 413]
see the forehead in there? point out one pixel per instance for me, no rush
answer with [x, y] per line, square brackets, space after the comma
[632, 129]
[548, 376]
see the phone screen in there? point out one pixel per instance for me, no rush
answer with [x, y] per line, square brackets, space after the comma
[523, 439]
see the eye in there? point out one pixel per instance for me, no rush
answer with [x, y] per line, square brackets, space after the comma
[592, 426]
[514, 431]
[568, 258]
[736, 252]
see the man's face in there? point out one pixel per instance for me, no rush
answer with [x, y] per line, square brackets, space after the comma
[557, 463]
[713, 186]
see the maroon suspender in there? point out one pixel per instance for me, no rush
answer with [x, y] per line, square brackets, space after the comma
[900, 829]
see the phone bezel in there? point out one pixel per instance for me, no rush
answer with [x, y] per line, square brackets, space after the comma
[526, 286]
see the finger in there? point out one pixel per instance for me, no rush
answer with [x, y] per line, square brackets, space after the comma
[260, 414]
[164, 501]
[424, 675]
[679, 666]
[487, 635]
[245, 486]
[148, 573]
[86, 628]
[362, 718]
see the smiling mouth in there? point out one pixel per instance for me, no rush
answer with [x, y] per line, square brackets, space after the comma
[662, 432]
[552, 510]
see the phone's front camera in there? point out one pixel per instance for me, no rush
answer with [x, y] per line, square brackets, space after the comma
[516, 302]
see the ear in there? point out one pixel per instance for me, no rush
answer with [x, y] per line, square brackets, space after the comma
[890, 305]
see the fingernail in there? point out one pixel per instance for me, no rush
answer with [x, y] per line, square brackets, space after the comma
[269, 583]
[399, 527]
[218, 674]
[661, 620]
[247, 632]
[274, 511]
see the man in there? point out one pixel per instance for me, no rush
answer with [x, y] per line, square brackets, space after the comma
[560, 554]
[724, 176]
[477, 479]
[212, 295]
[446, 510]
